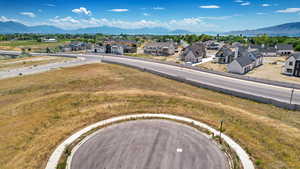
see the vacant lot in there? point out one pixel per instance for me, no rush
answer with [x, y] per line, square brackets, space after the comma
[271, 69]
[38, 111]
[214, 66]
[8, 64]
[34, 45]
[172, 58]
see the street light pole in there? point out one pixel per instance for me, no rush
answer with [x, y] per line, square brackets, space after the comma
[292, 96]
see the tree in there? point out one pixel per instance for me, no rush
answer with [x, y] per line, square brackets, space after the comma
[297, 48]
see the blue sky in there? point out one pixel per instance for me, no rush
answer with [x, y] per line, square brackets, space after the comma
[192, 15]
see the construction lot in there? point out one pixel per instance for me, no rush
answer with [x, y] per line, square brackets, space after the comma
[271, 70]
[38, 111]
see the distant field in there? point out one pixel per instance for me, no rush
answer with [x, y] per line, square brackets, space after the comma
[38, 111]
[34, 45]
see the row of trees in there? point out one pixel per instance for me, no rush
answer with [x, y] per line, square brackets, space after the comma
[94, 38]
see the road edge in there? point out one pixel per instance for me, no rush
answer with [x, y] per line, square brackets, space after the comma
[58, 152]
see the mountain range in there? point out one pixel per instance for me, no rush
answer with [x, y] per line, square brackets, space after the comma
[15, 27]
[288, 29]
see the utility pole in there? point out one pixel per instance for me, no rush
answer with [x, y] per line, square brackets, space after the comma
[221, 129]
[292, 96]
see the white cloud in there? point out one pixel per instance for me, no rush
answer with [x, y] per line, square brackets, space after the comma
[5, 19]
[50, 5]
[146, 14]
[238, 1]
[266, 5]
[82, 10]
[29, 14]
[71, 23]
[245, 3]
[289, 10]
[215, 17]
[118, 10]
[210, 7]
[158, 8]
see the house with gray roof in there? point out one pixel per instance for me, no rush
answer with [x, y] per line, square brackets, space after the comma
[224, 56]
[245, 60]
[160, 48]
[292, 65]
[284, 49]
[241, 65]
[117, 49]
[269, 51]
[193, 53]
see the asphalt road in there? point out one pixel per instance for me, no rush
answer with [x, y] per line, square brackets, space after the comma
[282, 94]
[278, 93]
[149, 144]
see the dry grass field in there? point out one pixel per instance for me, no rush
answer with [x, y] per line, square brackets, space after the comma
[8, 64]
[38, 111]
[34, 45]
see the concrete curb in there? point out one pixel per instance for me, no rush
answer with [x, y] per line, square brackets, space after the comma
[58, 152]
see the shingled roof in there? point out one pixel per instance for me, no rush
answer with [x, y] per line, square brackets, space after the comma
[244, 61]
[296, 55]
[196, 48]
[226, 51]
[284, 47]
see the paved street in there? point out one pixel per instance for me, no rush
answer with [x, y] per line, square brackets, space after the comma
[149, 144]
[278, 93]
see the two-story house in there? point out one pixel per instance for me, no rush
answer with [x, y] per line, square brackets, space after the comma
[292, 65]
[160, 48]
[193, 53]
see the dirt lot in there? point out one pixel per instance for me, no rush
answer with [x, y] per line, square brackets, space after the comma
[271, 69]
[214, 66]
[38, 111]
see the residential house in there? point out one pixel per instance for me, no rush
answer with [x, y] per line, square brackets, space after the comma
[225, 55]
[269, 51]
[117, 49]
[99, 49]
[212, 45]
[257, 57]
[193, 53]
[284, 49]
[292, 65]
[245, 60]
[241, 65]
[160, 48]
[128, 46]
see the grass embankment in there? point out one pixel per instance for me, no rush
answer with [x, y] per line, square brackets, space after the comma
[34, 45]
[38, 111]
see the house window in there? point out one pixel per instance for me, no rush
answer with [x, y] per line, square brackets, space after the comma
[291, 63]
[289, 70]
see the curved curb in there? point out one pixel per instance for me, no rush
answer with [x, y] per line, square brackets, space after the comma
[58, 152]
